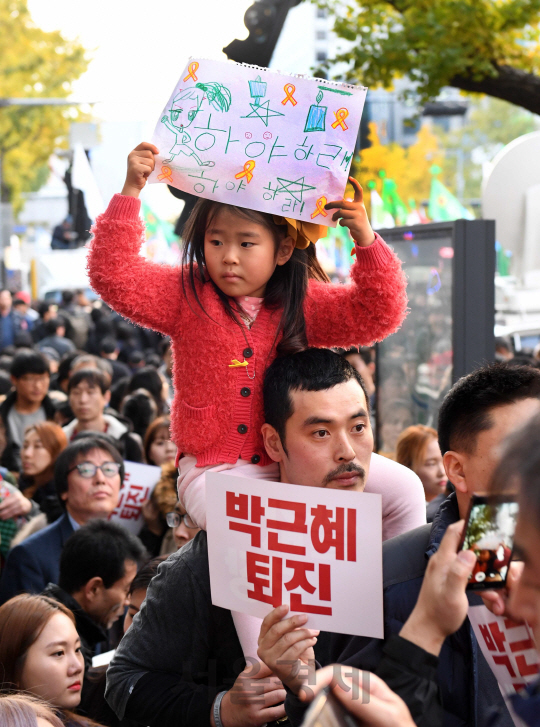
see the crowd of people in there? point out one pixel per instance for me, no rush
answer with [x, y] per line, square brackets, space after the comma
[273, 379]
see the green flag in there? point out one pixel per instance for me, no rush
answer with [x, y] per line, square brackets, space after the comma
[392, 202]
[156, 226]
[443, 206]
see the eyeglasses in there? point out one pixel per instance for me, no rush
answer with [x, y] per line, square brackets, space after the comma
[88, 469]
[174, 519]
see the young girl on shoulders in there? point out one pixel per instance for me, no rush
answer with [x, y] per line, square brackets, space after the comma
[250, 288]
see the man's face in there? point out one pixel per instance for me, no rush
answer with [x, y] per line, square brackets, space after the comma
[91, 497]
[328, 439]
[32, 387]
[471, 471]
[87, 402]
[109, 603]
[524, 603]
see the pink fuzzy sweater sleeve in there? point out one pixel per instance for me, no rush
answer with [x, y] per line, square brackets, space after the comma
[369, 309]
[146, 293]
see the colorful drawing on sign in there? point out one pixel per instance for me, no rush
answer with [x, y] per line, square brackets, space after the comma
[245, 136]
[289, 89]
[341, 115]
[183, 112]
[319, 210]
[316, 118]
[257, 90]
[247, 171]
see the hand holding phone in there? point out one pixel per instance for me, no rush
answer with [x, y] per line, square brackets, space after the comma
[489, 534]
[348, 697]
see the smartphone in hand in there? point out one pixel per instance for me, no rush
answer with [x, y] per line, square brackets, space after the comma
[326, 711]
[489, 533]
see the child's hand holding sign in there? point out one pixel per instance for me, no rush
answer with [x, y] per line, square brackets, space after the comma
[354, 216]
[141, 163]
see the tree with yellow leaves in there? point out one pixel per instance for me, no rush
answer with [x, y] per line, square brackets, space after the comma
[407, 166]
[33, 64]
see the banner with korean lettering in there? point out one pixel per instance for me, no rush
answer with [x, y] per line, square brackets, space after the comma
[257, 138]
[139, 483]
[508, 648]
[318, 550]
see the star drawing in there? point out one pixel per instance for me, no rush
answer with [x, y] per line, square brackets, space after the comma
[295, 188]
[262, 112]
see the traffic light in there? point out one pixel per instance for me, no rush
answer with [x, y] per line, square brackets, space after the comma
[264, 20]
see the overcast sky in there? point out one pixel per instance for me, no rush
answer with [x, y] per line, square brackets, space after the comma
[139, 47]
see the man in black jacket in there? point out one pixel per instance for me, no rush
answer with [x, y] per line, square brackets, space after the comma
[28, 404]
[87, 493]
[181, 651]
[97, 565]
[476, 416]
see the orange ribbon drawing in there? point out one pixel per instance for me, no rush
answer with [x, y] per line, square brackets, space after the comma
[341, 115]
[289, 89]
[247, 172]
[320, 208]
[192, 68]
[166, 173]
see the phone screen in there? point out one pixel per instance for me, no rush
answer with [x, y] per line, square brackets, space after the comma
[490, 535]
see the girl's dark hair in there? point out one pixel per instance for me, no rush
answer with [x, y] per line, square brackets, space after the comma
[286, 288]
[148, 378]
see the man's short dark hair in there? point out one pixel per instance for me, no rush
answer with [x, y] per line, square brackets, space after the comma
[5, 383]
[52, 325]
[465, 410]
[314, 369]
[43, 308]
[108, 345]
[67, 459]
[29, 362]
[99, 548]
[93, 377]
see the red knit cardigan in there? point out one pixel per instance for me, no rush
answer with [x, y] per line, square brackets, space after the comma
[217, 412]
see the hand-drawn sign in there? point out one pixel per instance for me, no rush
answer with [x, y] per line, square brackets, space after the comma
[259, 139]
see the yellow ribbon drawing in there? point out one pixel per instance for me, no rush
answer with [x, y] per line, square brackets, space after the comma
[341, 115]
[247, 172]
[191, 71]
[235, 363]
[319, 210]
[289, 89]
[166, 173]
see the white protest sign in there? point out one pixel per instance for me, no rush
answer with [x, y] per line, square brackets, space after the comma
[139, 483]
[256, 138]
[508, 648]
[318, 550]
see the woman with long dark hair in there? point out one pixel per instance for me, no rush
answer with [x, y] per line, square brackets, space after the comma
[40, 653]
